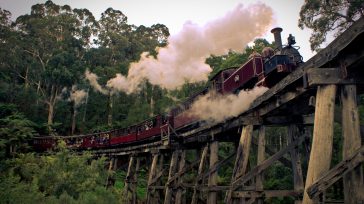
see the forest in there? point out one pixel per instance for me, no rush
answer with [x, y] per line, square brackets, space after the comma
[44, 56]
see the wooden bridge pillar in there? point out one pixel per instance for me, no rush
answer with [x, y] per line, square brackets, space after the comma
[293, 135]
[199, 179]
[151, 194]
[131, 181]
[260, 159]
[242, 158]
[172, 171]
[212, 182]
[321, 151]
[181, 166]
[112, 167]
[353, 181]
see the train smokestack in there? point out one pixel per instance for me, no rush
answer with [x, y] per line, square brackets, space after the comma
[277, 37]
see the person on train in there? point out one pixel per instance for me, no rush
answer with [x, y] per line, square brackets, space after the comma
[267, 53]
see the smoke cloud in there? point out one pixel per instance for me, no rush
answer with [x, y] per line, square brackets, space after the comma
[77, 96]
[92, 78]
[215, 107]
[183, 59]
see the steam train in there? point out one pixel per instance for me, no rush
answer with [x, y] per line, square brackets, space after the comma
[260, 70]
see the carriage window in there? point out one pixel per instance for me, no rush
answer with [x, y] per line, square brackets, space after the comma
[236, 78]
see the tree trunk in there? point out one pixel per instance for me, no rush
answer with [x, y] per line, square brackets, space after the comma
[51, 105]
[38, 89]
[85, 111]
[151, 103]
[26, 80]
[110, 105]
[50, 116]
[73, 127]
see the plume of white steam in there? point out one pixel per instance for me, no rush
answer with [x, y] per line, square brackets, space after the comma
[92, 78]
[183, 59]
[119, 83]
[77, 96]
[216, 107]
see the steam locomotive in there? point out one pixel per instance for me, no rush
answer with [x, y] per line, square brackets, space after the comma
[260, 70]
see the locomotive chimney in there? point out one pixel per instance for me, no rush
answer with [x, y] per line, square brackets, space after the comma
[277, 37]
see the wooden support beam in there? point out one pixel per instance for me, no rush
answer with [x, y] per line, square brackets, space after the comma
[298, 184]
[159, 195]
[242, 157]
[109, 180]
[152, 174]
[326, 76]
[219, 164]
[266, 194]
[115, 166]
[212, 182]
[353, 182]
[129, 194]
[135, 181]
[195, 194]
[126, 197]
[184, 170]
[216, 188]
[181, 166]
[243, 153]
[307, 143]
[336, 173]
[260, 159]
[172, 171]
[321, 152]
[286, 162]
[265, 164]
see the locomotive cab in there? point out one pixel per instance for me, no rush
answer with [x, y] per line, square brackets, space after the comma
[280, 63]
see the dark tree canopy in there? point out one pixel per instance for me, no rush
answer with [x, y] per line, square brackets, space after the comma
[325, 16]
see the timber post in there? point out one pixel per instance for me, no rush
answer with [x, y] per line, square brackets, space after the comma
[199, 179]
[321, 151]
[296, 161]
[181, 166]
[131, 180]
[135, 180]
[260, 159]
[353, 181]
[212, 182]
[172, 171]
[242, 157]
[152, 174]
[112, 167]
[115, 166]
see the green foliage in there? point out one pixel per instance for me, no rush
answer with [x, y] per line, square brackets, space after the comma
[12, 190]
[64, 177]
[15, 131]
[49, 51]
[326, 16]
[279, 178]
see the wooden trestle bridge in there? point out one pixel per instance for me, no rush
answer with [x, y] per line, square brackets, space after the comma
[308, 102]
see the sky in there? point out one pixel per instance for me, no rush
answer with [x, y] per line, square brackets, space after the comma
[174, 14]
